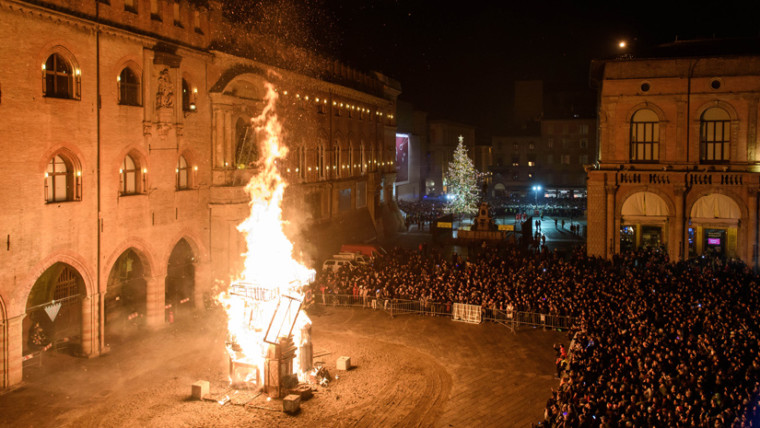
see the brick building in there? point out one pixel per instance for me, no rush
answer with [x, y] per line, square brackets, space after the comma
[128, 144]
[678, 155]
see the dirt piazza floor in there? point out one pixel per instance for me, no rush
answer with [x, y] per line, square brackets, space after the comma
[409, 371]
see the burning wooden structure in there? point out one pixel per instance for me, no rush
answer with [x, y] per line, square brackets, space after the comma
[276, 368]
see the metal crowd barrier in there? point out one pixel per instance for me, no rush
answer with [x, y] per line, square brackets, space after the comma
[396, 307]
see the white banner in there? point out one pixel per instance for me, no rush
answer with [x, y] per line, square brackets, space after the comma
[52, 310]
[466, 313]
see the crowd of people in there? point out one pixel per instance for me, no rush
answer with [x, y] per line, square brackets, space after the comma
[422, 214]
[655, 343]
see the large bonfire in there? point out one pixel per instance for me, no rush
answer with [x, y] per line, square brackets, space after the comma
[263, 305]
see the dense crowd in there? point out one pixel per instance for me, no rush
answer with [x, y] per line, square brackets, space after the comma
[423, 213]
[656, 343]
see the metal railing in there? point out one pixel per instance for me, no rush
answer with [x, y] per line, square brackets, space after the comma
[397, 307]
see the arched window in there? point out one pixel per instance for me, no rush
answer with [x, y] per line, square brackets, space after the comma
[246, 151]
[59, 77]
[321, 161]
[336, 159]
[61, 181]
[130, 174]
[363, 158]
[183, 177]
[714, 135]
[188, 97]
[350, 166]
[129, 87]
[645, 136]
[301, 161]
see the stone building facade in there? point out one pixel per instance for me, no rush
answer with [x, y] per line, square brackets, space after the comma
[553, 159]
[128, 144]
[678, 156]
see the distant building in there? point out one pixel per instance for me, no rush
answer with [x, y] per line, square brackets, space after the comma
[443, 138]
[411, 149]
[679, 159]
[567, 145]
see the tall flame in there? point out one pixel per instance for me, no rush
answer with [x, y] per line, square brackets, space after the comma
[269, 263]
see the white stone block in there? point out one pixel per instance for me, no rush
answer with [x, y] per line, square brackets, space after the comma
[291, 403]
[344, 363]
[200, 389]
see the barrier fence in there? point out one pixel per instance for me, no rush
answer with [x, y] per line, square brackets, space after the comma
[397, 307]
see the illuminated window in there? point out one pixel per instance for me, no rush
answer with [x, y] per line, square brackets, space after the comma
[188, 97]
[301, 161]
[550, 143]
[61, 183]
[183, 181]
[59, 78]
[715, 135]
[363, 158]
[336, 159]
[129, 88]
[130, 174]
[645, 136]
[246, 151]
[321, 153]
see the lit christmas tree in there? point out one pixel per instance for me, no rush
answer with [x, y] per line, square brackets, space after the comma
[462, 183]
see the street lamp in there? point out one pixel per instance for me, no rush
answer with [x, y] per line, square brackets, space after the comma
[536, 189]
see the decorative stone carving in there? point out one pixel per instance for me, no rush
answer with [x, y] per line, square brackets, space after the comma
[165, 92]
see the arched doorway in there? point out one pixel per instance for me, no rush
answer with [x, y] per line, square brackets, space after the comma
[713, 226]
[54, 312]
[643, 221]
[180, 281]
[126, 297]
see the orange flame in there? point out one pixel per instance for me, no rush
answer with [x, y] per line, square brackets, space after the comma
[269, 263]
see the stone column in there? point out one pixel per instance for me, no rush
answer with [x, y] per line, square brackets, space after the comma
[203, 283]
[752, 237]
[91, 326]
[612, 246]
[156, 297]
[678, 250]
[12, 352]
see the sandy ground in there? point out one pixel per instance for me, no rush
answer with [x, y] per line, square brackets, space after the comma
[410, 371]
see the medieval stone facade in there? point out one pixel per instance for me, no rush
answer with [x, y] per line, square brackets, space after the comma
[678, 156]
[128, 143]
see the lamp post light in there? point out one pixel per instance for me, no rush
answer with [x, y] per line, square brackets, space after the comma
[536, 189]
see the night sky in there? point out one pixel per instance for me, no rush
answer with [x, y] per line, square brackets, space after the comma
[459, 60]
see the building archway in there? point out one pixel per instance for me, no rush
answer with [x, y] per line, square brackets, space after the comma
[643, 221]
[54, 312]
[714, 226]
[180, 282]
[126, 297]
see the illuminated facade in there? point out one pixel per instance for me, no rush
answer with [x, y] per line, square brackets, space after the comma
[127, 143]
[678, 155]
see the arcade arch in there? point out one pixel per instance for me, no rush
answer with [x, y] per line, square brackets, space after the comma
[643, 221]
[126, 297]
[714, 226]
[180, 281]
[54, 311]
